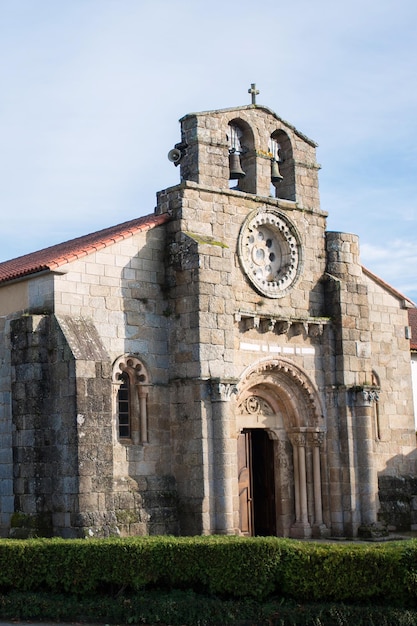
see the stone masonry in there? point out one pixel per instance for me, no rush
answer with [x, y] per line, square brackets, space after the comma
[225, 365]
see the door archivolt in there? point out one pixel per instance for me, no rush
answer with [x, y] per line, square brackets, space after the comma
[277, 394]
[278, 397]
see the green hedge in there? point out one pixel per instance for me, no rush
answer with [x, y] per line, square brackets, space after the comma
[225, 566]
[186, 608]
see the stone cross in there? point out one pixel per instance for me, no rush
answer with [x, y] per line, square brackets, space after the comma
[254, 92]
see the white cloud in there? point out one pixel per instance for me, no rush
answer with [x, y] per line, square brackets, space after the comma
[395, 262]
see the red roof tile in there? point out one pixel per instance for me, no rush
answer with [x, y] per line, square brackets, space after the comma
[412, 320]
[55, 256]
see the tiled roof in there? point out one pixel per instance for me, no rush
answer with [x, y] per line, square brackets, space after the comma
[412, 320]
[55, 256]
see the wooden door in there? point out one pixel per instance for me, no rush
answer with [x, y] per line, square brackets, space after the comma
[263, 483]
[256, 472]
[245, 483]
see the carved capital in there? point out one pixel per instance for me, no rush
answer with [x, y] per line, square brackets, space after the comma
[365, 395]
[142, 390]
[298, 439]
[370, 396]
[316, 438]
[222, 390]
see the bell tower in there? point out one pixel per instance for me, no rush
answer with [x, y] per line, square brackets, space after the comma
[250, 149]
[245, 254]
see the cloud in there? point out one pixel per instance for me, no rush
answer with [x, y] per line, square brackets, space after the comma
[395, 262]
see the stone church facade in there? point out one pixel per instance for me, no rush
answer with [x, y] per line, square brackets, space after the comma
[223, 365]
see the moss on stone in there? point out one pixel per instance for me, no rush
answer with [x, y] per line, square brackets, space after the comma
[205, 239]
[24, 526]
[126, 516]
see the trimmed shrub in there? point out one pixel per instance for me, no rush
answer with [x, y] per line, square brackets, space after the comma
[230, 567]
[345, 573]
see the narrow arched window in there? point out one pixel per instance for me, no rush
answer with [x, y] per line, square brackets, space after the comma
[283, 162]
[242, 156]
[123, 407]
[131, 386]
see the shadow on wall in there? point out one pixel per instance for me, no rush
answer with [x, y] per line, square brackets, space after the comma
[147, 498]
[398, 493]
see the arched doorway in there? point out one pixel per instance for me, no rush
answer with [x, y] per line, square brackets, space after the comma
[256, 475]
[280, 444]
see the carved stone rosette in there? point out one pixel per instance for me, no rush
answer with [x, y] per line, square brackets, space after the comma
[254, 405]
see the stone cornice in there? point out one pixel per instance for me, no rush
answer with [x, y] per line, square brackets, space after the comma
[279, 324]
[280, 203]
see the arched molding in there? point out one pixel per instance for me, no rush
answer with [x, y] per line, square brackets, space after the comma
[287, 405]
[286, 388]
[247, 138]
[133, 367]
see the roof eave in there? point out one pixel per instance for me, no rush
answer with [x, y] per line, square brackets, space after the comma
[32, 274]
[406, 302]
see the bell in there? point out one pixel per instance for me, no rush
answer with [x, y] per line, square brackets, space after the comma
[235, 168]
[275, 173]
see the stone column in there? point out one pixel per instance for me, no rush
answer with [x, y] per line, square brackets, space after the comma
[142, 394]
[316, 440]
[302, 483]
[296, 486]
[224, 461]
[301, 528]
[367, 479]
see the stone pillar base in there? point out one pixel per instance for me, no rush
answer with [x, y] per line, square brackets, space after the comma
[320, 531]
[300, 530]
[228, 531]
[372, 531]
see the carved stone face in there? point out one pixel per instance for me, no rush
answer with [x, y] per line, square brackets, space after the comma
[270, 252]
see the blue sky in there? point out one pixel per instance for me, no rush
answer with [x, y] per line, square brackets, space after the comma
[92, 90]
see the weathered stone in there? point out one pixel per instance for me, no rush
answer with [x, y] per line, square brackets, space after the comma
[241, 329]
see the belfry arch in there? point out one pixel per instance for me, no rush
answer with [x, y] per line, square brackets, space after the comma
[279, 404]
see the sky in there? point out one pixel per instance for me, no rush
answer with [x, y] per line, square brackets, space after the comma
[91, 92]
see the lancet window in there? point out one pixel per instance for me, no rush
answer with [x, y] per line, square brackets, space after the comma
[131, 386]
